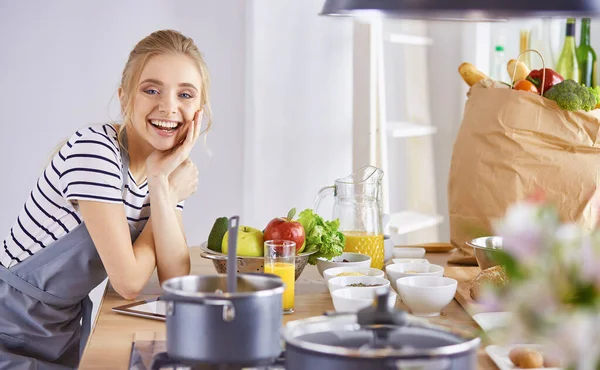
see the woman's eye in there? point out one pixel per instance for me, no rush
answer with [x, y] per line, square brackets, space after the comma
[151, 92]
[185, 95]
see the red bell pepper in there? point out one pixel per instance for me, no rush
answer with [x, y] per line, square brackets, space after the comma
[552, 78]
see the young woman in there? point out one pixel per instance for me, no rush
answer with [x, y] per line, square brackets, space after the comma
[109, 202]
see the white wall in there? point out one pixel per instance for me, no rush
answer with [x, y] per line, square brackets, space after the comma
[299, 121]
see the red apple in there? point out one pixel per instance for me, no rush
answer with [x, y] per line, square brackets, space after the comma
[284, 228]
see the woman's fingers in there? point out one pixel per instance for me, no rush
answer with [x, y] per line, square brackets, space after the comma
[198, 124]
[186, 146]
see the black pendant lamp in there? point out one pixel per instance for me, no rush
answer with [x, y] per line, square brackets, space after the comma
[462, 10]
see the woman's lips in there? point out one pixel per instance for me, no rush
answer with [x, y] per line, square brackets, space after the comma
[165, 128]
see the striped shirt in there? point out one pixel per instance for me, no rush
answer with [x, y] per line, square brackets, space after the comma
[87, 167]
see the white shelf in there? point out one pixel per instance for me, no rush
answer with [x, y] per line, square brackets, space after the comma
[408, 221]
[409, 129]
[399, 38]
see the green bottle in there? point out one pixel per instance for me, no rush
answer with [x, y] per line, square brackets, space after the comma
[586, 56]
[567, 61]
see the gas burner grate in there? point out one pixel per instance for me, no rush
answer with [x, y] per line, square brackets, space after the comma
[162, 361]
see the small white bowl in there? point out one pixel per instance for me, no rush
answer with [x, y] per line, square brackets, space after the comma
[409, 252]
[410, 260]
[354, 260]
[398, 270]
[367, 271]
[354, 299]
[426, 295]
[340, 282]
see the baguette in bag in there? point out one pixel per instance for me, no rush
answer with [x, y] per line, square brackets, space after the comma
[470, 74]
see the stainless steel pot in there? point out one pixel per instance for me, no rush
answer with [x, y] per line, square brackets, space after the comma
[375, 339]
[206, 323]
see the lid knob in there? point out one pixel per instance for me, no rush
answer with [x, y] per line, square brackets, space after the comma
[380, 313]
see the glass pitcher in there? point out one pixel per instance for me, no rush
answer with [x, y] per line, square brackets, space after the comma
[358, 206]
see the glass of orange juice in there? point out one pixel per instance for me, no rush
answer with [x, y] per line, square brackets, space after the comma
[280, 256]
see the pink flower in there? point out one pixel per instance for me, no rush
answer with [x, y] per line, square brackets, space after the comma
[521, 231]
[489, 301]
[590, 262]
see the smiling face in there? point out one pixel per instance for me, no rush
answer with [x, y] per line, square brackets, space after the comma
[166, 98]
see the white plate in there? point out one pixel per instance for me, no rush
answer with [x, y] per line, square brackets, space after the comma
[490, 321]
[409, 252]
[499, 354]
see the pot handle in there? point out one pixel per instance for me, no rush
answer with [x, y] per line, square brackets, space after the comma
[228, 308]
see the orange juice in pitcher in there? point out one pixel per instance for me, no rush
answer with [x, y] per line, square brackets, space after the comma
[358, 207]
[370, 244]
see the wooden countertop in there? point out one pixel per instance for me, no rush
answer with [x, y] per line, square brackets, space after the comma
[109, 346]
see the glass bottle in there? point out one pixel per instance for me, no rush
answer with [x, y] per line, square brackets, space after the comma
[567, 65]
[499, 65]
[586, 56]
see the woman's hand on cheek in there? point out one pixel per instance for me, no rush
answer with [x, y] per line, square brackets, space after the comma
[160, 164]
[183, 181]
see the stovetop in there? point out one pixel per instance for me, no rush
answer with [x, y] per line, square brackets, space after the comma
[162, 361]
[148, 352]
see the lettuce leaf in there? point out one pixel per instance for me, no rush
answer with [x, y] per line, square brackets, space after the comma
[322, 236]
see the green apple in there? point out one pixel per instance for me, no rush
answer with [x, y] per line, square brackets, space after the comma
[250, 242]
[302, 248]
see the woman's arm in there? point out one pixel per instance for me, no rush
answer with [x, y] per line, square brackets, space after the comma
[172, 177]
[172, 255]
[128, 266]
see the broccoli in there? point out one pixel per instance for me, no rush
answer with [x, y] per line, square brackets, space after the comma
[571, 96]
[596, 92]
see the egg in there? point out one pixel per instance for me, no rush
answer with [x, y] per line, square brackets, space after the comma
[531, 360]
[515, 355]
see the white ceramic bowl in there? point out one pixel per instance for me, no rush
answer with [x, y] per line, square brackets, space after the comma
[354, 260]
[410, 260]
[409, 252]
[345, 281]
[426, 295]
[398, 270]
[367, 271]
[354, 299]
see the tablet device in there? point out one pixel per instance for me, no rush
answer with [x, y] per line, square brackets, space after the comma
[151, 309]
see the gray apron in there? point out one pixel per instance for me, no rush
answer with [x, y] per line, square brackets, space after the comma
[44, 298]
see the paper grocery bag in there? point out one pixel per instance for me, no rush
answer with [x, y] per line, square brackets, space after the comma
[510, 144]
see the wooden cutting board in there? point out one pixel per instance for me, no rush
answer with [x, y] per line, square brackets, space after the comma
[464, 275]
[431, 247]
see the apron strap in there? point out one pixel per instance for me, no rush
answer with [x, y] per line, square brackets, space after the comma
[31, 290]
[86, 324]
[124, 159]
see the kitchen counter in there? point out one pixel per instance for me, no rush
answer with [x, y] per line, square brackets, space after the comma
[109, 345]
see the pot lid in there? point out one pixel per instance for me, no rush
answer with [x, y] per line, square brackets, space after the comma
[379, 332]
[342, 335]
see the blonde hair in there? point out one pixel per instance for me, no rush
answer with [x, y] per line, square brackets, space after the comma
[160, 43]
